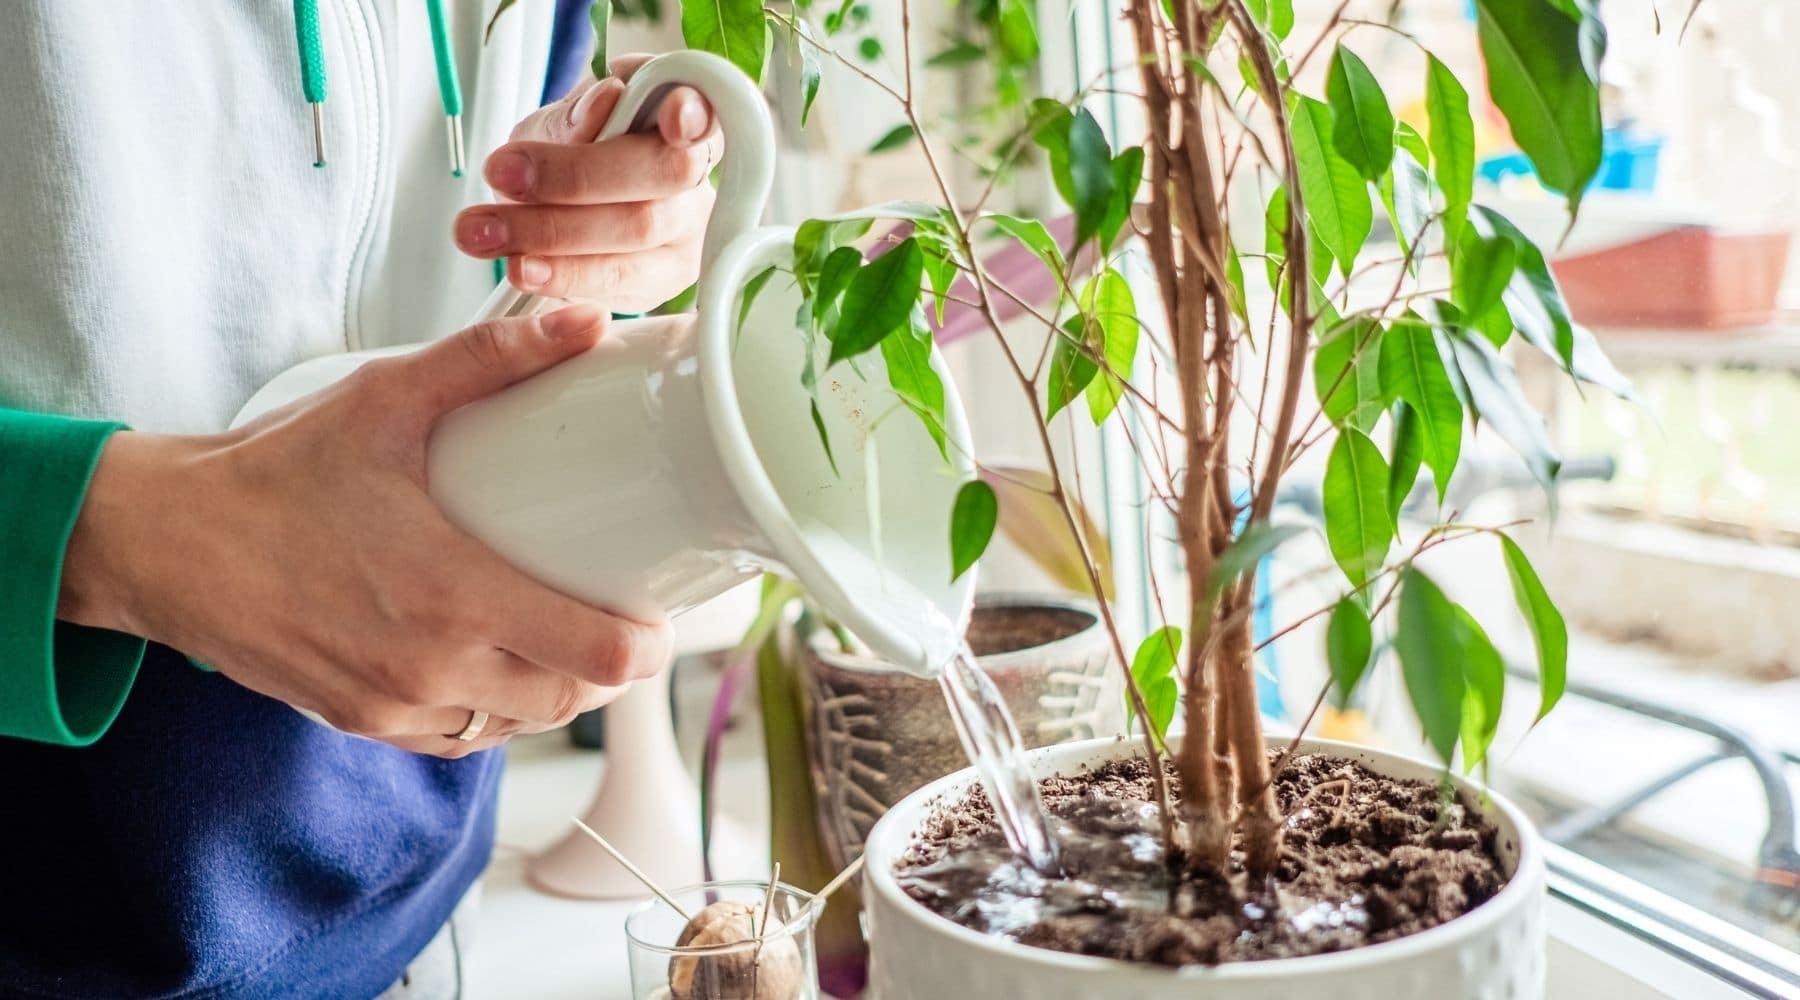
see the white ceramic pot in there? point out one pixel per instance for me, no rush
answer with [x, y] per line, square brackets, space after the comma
[679, 457]
[1494, 952]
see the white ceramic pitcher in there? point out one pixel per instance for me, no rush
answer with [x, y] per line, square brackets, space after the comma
[678, 457]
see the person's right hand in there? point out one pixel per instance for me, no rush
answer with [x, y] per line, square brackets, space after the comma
[301, 556]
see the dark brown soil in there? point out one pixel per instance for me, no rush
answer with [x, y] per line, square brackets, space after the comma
[1366, 858]
[1006, 628]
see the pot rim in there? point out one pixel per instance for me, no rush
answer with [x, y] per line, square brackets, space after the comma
[825, 650]
[1524, 885]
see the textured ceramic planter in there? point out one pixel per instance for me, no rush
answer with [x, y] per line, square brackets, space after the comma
[874, 737]
[1494, 952]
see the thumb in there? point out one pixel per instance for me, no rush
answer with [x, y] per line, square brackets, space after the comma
[483, 359]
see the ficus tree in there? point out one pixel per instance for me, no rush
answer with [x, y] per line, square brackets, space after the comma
[1387, 360]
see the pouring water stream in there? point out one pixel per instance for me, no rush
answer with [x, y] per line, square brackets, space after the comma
[991, 740]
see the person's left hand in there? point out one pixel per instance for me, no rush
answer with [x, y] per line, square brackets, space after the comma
[619, 222]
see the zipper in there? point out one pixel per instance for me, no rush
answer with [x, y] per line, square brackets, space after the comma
[362, 33]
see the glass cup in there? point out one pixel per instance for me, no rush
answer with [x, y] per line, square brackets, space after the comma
[782, 966]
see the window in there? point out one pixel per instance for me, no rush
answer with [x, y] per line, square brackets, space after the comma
[1669, 774]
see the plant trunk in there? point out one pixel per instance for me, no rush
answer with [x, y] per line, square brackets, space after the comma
[1259, 820]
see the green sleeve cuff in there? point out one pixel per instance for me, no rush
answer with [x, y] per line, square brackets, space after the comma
[59, 683]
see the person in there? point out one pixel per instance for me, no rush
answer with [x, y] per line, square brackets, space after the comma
[172, 589]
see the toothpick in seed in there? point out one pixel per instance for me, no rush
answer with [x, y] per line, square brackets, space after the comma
[635, 871]
[818, 899]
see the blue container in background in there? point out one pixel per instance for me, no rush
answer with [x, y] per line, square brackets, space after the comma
[1628, 162]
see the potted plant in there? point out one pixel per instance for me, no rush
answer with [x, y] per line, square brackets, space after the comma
[1219, 857]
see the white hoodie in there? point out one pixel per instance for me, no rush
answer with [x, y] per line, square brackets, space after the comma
[169, 245]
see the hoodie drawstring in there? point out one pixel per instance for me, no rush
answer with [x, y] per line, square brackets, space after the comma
[312, 70]
[449, 87]
[312, 77]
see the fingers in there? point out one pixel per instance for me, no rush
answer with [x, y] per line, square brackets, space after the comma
[684, 119]
[564, 635]
[487, 357]
[629, 168]
[509, 230]
[510, 687]
[629, 283]
[578, 117]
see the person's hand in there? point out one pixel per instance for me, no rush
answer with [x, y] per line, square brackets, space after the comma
[301, 556]
[618, 222]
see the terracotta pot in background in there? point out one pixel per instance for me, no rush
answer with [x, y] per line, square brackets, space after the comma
[875, 737]
[1689, 278]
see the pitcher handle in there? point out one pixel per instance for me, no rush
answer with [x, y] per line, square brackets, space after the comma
[746, 173]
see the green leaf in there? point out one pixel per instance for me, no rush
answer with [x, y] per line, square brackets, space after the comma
[1431, 660]
[1495, 392]
[1153, 668]
[1452, 139]
[1107, 299]
[1408, 138]
[1032, 234]
[1049, 122]
[1494, 323]
[1334, 193]
[1358, 526]
[751, 288]
[1548, 630]
[1128, 174]
[1275, 15]
[1542, 69]
[907, 354]
[972, 520]
[895, 138]
[869, 47]
[1347, 375]
[940, 271]
[879, 300]
[731, 28]
[1409, 454]
[1412, 370]
[1247, 551]
[835, 20]
[818, 420]
[1363, 132]
[1541, 314]
[1408, 198]
[801, 49]
[1090, 175]
[900, 208]
[840, 266]
[1348, 646]
[1484, 689]
[1072, 364]
[960, 53]
[1234, 280]
[816, 238]
[487, 35]
[1480, 269]
[600, 19]
[1013, 30]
